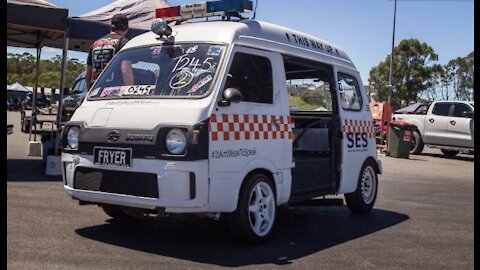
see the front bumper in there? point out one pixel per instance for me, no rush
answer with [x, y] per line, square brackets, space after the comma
[173, 181]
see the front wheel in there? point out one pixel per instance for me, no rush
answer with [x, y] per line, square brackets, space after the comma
[256, 213]
[363, 198]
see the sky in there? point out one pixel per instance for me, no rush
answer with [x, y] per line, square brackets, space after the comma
[363, 28]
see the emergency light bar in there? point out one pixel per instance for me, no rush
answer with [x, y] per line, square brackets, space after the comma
[203, 10]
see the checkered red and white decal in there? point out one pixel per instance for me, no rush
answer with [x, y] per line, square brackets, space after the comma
[244, 127]
[359, 126]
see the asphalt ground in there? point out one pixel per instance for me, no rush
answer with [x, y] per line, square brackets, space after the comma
[423, 219]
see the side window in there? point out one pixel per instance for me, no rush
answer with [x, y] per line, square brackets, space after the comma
[80, 85]
[252, 76]
[459, 109]
[350, 95]
[422, 109]
[441, 109]
[308, 85]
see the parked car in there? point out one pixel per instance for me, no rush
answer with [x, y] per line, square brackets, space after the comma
[447, 125]
[41, 101]
[416, 108]
[75, 97]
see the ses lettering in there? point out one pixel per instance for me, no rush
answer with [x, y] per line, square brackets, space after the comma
[357, 140]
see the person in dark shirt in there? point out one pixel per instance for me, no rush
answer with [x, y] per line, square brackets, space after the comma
[103, 49]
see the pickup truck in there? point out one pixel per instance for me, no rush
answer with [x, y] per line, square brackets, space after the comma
[447, 125]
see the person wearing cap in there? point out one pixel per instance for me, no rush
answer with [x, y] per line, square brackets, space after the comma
[103, 50]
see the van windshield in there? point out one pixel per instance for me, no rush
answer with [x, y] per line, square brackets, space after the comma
[180, 70]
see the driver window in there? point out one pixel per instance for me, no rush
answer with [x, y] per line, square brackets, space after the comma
[252, 76]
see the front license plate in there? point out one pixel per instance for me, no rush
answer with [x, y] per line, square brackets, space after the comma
[111, 156]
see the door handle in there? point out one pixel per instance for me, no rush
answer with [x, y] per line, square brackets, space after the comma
[431, 120]
[453, 122]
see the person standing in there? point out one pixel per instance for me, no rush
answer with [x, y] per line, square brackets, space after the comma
[103, 50]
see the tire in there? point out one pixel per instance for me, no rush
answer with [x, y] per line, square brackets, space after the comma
[116, 212]
[256, 213]
[417, 143]
[449, 153]
[364, 197]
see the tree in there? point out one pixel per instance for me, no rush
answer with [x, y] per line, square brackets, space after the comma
[411, 73]
[461, 72]
[430, 94]
[22, 68]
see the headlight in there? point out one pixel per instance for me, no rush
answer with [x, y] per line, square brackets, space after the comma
[72, 137]
[176, 141]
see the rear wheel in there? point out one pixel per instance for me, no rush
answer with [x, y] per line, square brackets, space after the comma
[363, 198]
[256, 212]
[417, 143]
[449, 153]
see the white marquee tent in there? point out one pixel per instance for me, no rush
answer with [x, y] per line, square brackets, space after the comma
[17, 87]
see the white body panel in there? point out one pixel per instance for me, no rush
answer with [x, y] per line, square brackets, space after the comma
[461, 131]
[358, 138]
[141, 113]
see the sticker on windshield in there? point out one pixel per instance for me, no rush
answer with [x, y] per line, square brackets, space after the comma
[181, 79]
[156, 49]
[214, 50]
[199, 84]
[95, 91]
[110, 91]
[137, 90]
[192, 49]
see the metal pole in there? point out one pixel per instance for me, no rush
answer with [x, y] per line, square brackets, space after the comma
[390, 84]
[33, 116]
[62, 86]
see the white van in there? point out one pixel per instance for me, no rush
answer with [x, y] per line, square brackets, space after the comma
[228, 118]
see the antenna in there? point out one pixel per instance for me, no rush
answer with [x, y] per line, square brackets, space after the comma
[255, 10]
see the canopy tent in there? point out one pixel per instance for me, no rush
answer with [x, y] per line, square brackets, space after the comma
[31, 23]
[34, 24]
[140, 13]
[83, 30]
[17, 87]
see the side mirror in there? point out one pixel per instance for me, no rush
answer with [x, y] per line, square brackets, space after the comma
[230, 95]
[468, 114]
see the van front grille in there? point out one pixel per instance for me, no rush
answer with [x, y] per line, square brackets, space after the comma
[118, 182]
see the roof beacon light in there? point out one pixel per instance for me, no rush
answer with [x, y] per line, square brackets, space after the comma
[161, 28]
[203, 10]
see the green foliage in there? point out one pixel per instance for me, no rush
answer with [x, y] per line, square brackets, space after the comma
[22, 68]
[298, 102]
[411, 72]
[313, 97]
[461, 73]
[416, 76]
